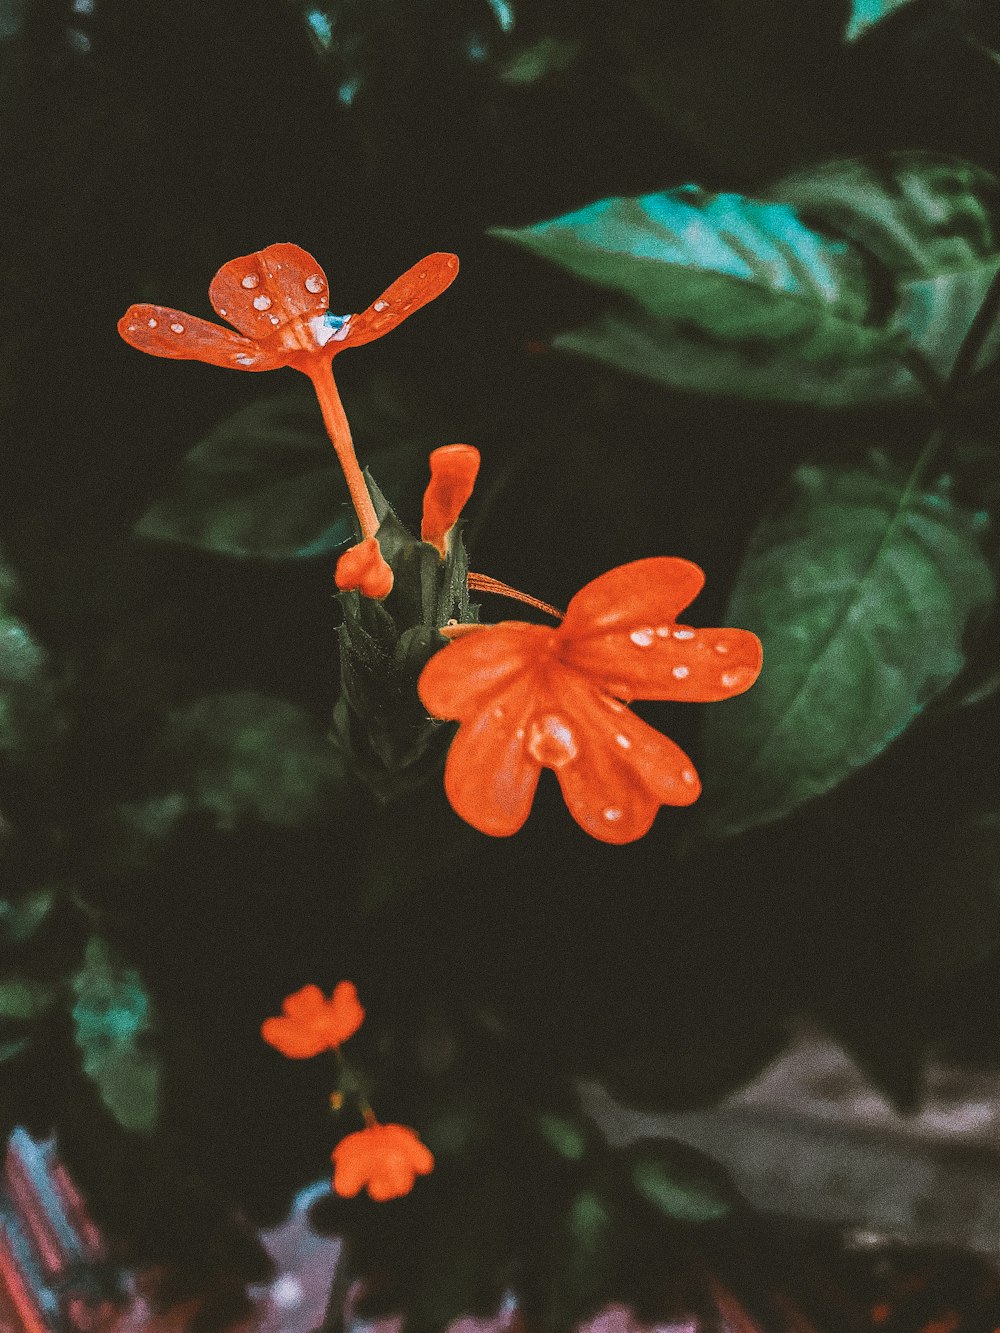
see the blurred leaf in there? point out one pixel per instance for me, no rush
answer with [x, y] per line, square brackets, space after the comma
[729, 295]
[28, 713]
[680, 1182]
[861, 597]
[20, 918]
[957, 910]
[784, 298]
[932, 223]
[23, 998]
[244, 755]
[584, 1260]
[112, 1018]
[549, 55]
[561, 1134]
[866, 13]
[265, 485]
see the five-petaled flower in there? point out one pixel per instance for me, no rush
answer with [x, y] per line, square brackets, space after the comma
[529, 697]
[384, 1159]
[278, 299]
[311, 1024]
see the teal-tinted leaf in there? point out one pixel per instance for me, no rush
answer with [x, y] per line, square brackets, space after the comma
[932, 224]
[679, 1182]
[866, 13]
[21, 917]
[243, 755]
[265, 484]
[862, 602]
[112, 1019]
[726, 295]
[10, 1049]
[29, 717]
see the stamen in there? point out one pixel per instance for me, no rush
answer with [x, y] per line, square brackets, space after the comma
[483, 583]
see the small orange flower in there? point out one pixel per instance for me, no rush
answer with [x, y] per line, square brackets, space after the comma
[311, 1023]
[384, 1159]
[454, 468]
[529, 697]
[364, 567]
[278, 299]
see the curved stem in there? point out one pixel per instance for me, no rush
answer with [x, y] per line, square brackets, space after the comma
[335, 420]
[483, 583]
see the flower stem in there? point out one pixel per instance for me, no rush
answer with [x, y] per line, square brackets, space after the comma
[483, 583]
[335, 420]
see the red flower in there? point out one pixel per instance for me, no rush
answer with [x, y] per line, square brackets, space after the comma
[278, 298]
[311, 1023]
[529, 697]
[385, 1159]
[364, 567]
[454, 468]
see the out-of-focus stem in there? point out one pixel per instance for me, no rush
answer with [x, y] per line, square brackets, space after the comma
[335, 420]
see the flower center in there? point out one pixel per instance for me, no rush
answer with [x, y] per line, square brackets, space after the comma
[551, 741]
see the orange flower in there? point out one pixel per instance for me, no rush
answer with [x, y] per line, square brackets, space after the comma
[454, 468]
[529, 697]
[278, 299]
[311, 1023]
[364, 567]
[384, 1159]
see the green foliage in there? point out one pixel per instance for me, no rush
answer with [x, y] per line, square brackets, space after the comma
[29, 718]
[112, 1020]
[866, 13]
[783, 298]
[862, 595]
[21, 917]
[679, 1183]
[265, 485]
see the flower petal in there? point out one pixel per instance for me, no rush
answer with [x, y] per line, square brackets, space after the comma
[418, 285]
[352, 1160]
[623, 770]
[161, 331]
[454, 468]
[304, 1004]
[292, 1038]
[490, 776]
[669, 661]
[343, 1014]
[365, 568]
[647, 591]
[260, 293]
[472, 670]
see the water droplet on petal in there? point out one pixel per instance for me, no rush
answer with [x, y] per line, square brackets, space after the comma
[222, 312]
[262, 302]
[688, 776]
[250, 281]
[315, 283]
[243, 359]
[422, 275]
[380, 305]
[177, 328]
[642, 638]
[151, 323]
[519, 733]
[663, 632]
[275, 319]
[683, 633]
[679, 672]
[729, 679]
[499, 714]
[623, 741]
[551, 741]
[612, 814]
[722, 647]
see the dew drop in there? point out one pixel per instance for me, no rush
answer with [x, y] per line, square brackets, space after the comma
[177, 328]
[151, 323]
[519, 733]
[380, 305]
[729, 679]
[499, 714]
[722, 647]
[663, 632]
[222, 312]
[315, 283]
[551, 741]
[612, 814]
[623, 741]
[262, 302]
[642, 638]
[688, 776]
[422, 275]
[275, 319]
[683, 633]
[250, 281]
[679, 672]
[243, 359]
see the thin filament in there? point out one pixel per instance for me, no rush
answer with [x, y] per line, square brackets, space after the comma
[483, 583]
[335, 420]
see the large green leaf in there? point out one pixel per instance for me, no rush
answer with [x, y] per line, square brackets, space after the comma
[932, 224]
[812, 295]
[29, 717]
[265, 484]
[861, 597]
[866, 13]
[112, 1020]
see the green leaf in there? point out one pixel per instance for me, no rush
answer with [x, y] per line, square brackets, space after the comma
[20, 918]
[112, 1020]
[727, 295]
[561, 1134]
[811, 295]
[243, 755]
[265, 485]
[866, 13]
[679, 1182]
[29, 718]
[861, 597]
[932, 224]
[23, 998]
